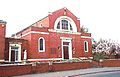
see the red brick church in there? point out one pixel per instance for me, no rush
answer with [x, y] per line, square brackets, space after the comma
[57, 36]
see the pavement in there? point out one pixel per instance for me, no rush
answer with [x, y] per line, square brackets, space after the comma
[72, 73]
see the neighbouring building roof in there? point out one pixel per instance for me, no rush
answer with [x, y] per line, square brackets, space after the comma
[1, 21]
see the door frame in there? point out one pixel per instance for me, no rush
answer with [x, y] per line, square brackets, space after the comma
[19, 52]
[66, 39]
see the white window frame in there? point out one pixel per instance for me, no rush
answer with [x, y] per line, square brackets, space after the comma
[67, 25]
[74, 28]
[86, 45]
[19, 52]
[66, 39]
[43, 45]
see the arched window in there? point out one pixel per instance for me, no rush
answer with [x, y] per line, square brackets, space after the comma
[41, 44]
[85, 46]
[64, 23]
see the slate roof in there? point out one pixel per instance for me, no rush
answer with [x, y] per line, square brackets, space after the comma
[1, 21]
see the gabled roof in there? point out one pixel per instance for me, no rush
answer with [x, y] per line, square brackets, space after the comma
[30, 25]
[44, 18]
[65, 9]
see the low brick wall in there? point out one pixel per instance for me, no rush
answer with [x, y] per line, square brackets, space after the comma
[13, 70]
[40, 68]
[111, 63]
[69, 66]
[106, 63]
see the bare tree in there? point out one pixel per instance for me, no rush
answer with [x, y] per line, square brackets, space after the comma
[108, 47]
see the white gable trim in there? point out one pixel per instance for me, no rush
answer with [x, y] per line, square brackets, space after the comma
[34, 32]
[63, 31]
[86, 37]
[39, 32]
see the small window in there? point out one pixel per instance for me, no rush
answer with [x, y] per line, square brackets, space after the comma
[86, 46]
[41, 44]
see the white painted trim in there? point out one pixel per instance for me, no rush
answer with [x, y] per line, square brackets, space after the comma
[63, 31]
[65, 38]
[87, 46]
[70, 46]
[34, 32]
[2, 60]
[91, 57]
[44, 59]
[85, 57]
[43, 45]
[86, 37]
[19, 52]
[66, 18]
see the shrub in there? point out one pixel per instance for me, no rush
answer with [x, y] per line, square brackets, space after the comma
[99, 56]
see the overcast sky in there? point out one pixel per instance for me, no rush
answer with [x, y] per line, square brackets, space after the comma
[101, 17]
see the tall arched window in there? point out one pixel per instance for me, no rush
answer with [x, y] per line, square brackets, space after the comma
[41, 44]
[85, 46]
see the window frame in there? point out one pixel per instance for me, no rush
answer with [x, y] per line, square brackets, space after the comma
[73, 24]
[86, 46]
[43, 45]
[61, 26]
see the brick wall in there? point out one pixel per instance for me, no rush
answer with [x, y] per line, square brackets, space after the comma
[2, 39]
[111, 63]
[13, 70]
[69, 66]
[106, 63]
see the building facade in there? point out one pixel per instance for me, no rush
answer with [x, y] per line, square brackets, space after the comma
[57, 36]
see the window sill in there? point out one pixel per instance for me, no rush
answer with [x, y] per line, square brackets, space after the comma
[41, 51]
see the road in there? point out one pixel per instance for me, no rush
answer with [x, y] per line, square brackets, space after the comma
[99, 74]
[90, 72]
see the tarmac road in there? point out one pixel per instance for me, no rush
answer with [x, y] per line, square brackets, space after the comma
[101, 74]
[90, 72]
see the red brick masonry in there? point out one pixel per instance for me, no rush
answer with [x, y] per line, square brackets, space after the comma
[106, 63]
[12, 70]
[69, 66]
